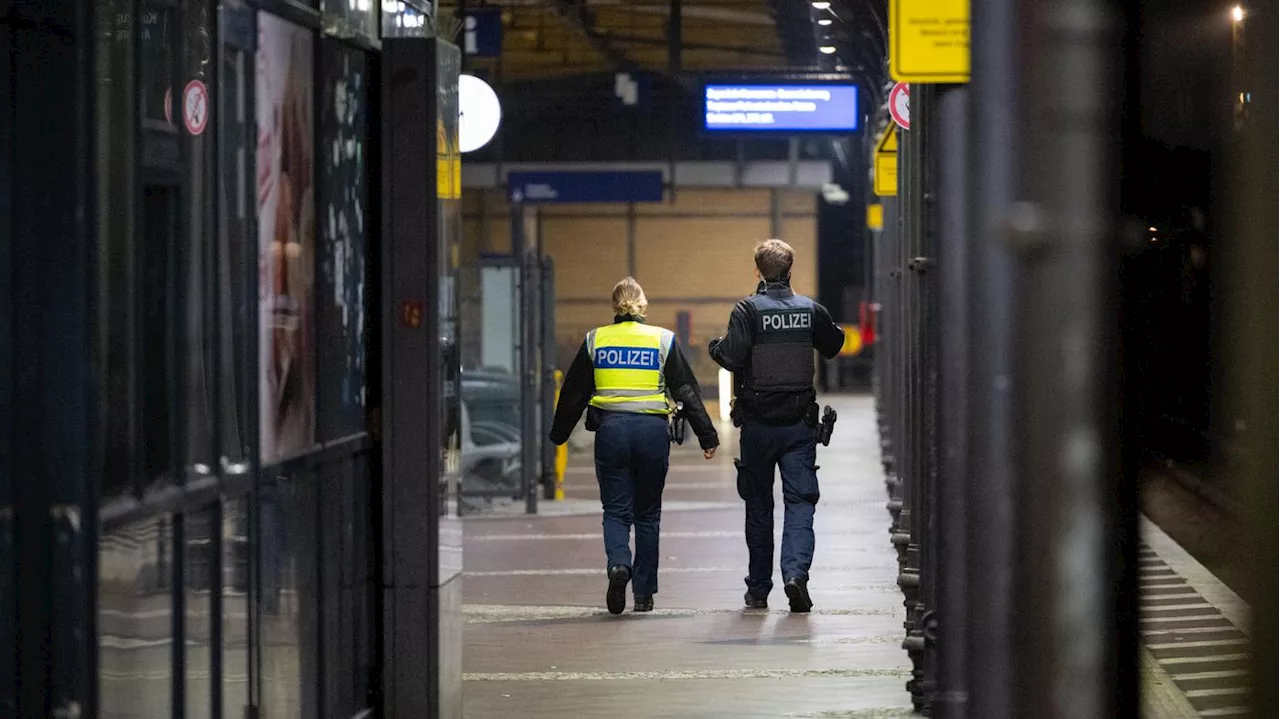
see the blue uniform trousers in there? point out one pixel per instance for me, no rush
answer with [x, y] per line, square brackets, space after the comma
[793, 448]
[632, 455]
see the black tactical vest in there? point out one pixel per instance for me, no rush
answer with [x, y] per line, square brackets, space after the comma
[782, 353]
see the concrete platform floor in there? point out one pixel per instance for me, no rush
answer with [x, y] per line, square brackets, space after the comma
[538, 642]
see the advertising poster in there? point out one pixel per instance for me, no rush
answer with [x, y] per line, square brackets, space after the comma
[286, 238]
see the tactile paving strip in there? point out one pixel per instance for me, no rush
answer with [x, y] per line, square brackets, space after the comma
[1204, 653]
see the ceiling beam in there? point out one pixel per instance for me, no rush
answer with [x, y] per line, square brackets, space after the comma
[735, 49]
[719, 13]
[576, 14]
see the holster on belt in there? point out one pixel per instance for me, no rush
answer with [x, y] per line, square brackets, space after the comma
[678, 426]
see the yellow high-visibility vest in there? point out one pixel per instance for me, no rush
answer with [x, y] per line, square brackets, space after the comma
[629, 358]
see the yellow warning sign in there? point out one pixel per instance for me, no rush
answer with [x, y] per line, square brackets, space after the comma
[888, 141]
[875, 216]
[885, 183]
[929, 41]
[852, 340]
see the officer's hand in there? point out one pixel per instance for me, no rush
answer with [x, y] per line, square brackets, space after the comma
[709, 453]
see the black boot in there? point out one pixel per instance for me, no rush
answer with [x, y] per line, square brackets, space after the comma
[754, 602]
[644, 604]
[798, 594]
[616, 599]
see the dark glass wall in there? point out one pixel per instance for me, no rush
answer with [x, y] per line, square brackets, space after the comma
[8, 563]
[232, 201]
[186, 362]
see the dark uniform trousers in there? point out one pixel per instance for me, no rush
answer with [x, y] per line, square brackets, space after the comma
[632, 455]
[792, 448]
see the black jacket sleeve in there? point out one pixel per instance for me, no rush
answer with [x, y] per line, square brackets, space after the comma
[828, 337]
[576, 391]
[683, 387]
[733, 351]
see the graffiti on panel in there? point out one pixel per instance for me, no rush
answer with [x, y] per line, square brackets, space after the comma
[343, 220]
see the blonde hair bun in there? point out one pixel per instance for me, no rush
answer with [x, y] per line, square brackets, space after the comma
[629, 299]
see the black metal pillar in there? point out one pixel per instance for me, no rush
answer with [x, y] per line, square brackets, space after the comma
[886, 355]
[923, 267]
[916, 425]
[548, 290]
[1249, 346]
[1064, 236]
[421, 572]
[951, 158]
[909, 189]
[994, 148]
[524, 247]
[50, 440]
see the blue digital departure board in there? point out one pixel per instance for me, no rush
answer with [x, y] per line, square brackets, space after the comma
[751, 108]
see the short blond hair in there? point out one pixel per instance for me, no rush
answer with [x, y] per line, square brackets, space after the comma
[629, 299]
[774, 258]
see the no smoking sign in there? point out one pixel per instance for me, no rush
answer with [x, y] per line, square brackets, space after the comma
[195, 107]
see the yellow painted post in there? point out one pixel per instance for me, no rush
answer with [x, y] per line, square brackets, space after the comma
[562, 451]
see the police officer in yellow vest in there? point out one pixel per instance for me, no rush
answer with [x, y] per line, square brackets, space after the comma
[625, 376]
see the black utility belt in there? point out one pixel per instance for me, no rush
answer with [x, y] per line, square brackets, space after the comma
[824, 424]
[789, 411]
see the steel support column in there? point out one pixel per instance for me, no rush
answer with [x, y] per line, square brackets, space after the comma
[1073, 601]
[989, 476]
[547, 273]
[886, 296]
[421, 658]
[923, 268]
[903, 538]
[913, 460]
[524, 247]
[1249, 307]
[951, 158]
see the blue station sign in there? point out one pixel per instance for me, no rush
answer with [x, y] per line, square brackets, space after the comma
[482, 32]
[585, 186]
[783, 108]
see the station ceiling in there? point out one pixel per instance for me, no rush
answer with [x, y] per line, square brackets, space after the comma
[547, 39]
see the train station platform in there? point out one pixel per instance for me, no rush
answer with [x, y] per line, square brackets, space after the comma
[539, 643]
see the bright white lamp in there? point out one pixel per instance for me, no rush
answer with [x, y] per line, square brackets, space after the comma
[479, 113]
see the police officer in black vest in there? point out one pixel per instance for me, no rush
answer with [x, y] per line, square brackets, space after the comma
[769, 348]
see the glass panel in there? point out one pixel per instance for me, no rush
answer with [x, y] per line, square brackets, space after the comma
[155, 398]
[154, 284]
[289, 549]
[406, 18]
[194, 278]
[235, 607]
[449, 196]
[237, 266]
[340, 283]
[160, 34]
[198, 563]
[116, 161]
[344, 18]
[135, 620]
[286, 239]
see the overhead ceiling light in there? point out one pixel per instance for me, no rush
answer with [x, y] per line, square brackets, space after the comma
[827, 49]
[825, 21]
[821, 5]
